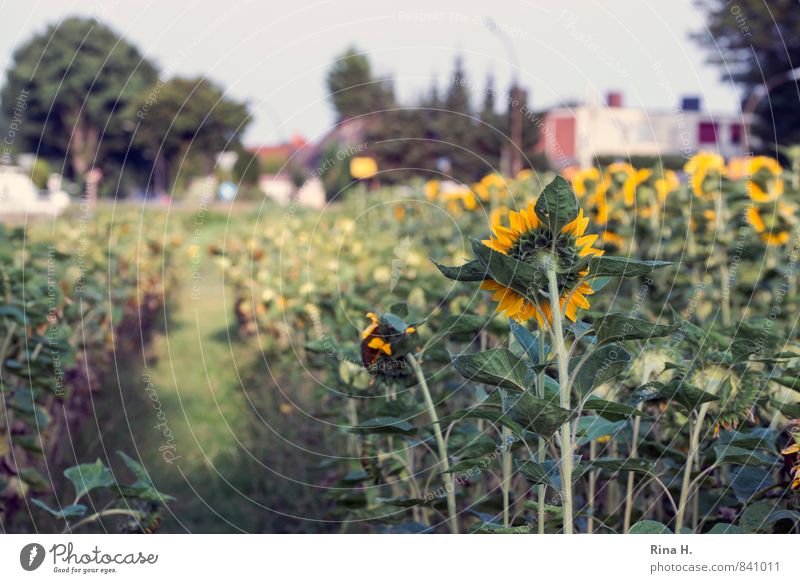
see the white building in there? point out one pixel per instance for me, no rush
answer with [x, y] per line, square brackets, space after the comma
[577, 135]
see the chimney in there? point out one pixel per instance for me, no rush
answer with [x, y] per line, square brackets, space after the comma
[690, 103]
[614, 99]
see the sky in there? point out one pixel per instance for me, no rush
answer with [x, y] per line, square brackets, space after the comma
[275, 54]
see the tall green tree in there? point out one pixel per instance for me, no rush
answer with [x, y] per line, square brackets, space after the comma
[755, 43]
[75, 76]
[183, 123]
[352, 88]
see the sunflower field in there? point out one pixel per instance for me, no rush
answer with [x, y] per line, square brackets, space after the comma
[609, 350]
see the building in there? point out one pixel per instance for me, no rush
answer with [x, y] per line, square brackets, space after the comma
[583, 133]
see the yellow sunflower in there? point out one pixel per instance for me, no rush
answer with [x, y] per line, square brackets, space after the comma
[764, 182]
[666, 184]
[704, 166]
[770, 235]
[588, 181]
[524, 239]
[431, 189]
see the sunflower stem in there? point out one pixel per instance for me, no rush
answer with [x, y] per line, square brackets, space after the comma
[686, 486]
[563, 381]
[437, 431]
[540, 454]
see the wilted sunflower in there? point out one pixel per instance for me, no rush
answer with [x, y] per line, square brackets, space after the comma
[384, 342]
[524, 240]
[764, 182]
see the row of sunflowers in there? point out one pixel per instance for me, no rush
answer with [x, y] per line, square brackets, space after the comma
[76, 296]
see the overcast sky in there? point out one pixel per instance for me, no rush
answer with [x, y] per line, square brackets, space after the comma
[275, 54]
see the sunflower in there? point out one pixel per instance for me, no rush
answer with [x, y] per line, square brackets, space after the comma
[764, 182]
[774, 234]
[431, 189]
[525, 239]
[623, 179]
[587, 181]
[666, 185]
[705, 170]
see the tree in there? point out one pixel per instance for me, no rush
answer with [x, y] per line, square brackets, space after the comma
[75, 77]
[353, 90]
[184, 124]
[755, 43]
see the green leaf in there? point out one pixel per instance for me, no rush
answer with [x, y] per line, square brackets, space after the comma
[528, 340]
[520, 276]
[731, 454]
[34, 479]
[88, 477]
[533, 472]
[603, 364]
[540, 416]
[71, 511]
[498, 367]
[616, 327]
[676, 391]
[468, 465]
[557, 205]
[725, 528]
[471, 271]
[143, 488]
[649, 527]
[462, 324]
[636, 465]
[591, 427]
[610, 409]
[608, 266]
[755, 517]
[384, 425]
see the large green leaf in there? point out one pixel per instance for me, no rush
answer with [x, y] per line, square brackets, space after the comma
[534, 472]
[541, 416]
[498, 367]
[471, 271]
[602, 364]
[557, 205]
[591, 427]
[609, 266]
[88, 477]
[731, 454]
[616, 327]
[522, 277]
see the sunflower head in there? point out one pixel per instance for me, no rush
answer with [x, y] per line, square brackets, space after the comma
[705, 171]
[764, 182]
[530, 239]
[773, 228]
[384, 342]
